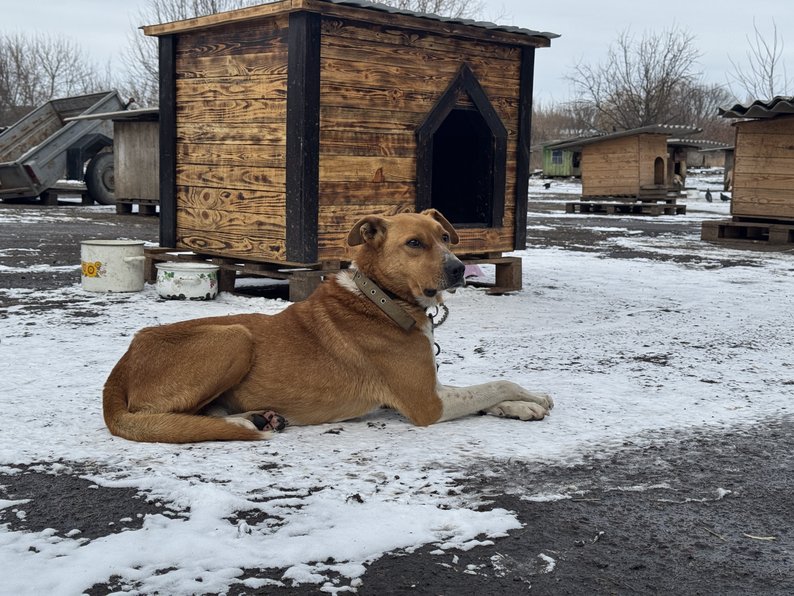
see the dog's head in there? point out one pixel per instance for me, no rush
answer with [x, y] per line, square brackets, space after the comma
[409, 254]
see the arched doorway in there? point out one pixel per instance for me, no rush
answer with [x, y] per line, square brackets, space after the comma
[462, 186]
[462, 156]
[658, 172]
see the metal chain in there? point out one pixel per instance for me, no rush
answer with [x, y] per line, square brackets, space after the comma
[442, 308]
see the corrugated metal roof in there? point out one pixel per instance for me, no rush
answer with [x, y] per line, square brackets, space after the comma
[699, 143]
[654, 129]
[137, 114]
[435, 17]
[777, 106]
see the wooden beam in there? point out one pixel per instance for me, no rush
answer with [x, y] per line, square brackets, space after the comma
[368, 15]
[167, 65]
[526, 89]
[303, 136]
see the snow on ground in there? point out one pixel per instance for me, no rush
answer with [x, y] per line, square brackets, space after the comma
[628, 348]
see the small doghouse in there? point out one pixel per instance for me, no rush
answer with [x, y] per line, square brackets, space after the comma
[134, 175]
[282, 124]
[762, 201]
[631, 163]
[136, 136]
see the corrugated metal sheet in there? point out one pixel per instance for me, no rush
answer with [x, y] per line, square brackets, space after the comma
[698, 143]
[433, 17]
[658, 129]
[761, 109]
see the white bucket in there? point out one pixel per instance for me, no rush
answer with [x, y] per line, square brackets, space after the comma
[185, 280]
[112, 265]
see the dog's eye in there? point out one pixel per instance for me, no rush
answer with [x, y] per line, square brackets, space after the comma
[445, 238]
[414, 243]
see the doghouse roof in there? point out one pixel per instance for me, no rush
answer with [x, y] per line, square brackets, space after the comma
[653, 129]
[779, 106]
[368, 11]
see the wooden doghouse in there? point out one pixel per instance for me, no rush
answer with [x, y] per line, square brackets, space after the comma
[628, 171]
[762, 201]
[135, 158]
[136, 137]
[282, 124]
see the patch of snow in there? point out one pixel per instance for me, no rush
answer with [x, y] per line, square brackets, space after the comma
[549, 561]
[627, 348]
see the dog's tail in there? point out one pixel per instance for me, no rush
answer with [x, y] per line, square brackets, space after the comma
[164, 427]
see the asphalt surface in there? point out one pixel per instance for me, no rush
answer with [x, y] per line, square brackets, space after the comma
[695, 513]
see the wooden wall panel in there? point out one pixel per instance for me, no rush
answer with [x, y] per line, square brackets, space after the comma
[136, 159]
[763, 175]
[378, 84]
[610, 168]
[649, 148]
[231, 87]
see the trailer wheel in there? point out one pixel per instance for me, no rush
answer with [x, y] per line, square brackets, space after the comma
[99, 179]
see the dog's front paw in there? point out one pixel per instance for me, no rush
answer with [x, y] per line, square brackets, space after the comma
[520, 410]
[542, 399]
[513, 392]
[268, 420]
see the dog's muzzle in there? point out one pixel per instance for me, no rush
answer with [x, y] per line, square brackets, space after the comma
[453, 276]
[454, 272]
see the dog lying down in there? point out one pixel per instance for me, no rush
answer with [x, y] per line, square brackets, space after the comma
[361, 341]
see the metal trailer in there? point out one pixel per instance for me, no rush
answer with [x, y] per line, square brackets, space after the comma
[43, 148]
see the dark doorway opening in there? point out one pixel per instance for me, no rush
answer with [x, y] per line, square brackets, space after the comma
[658, 171]
[461, 156]
[462, 178]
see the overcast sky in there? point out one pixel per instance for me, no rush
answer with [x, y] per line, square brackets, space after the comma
[587, 27]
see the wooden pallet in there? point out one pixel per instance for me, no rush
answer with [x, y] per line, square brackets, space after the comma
[666, 199]
[145, 206]
[770, 233]
[507, 273]
[625, 208]
[302, 281]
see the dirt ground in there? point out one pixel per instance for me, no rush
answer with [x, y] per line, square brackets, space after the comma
[693, 513]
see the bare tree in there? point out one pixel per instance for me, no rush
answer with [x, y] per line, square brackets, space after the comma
[140, 59]
[457, 9]
[642, 82]
[764, 74]
[35, 69]
[141, 55]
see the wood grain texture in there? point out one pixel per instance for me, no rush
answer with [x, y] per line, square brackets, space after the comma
[136, 160]
[378, 83]
[263, 202]
[763, 175]
[239, 78]
[231, 86]
[253, 236]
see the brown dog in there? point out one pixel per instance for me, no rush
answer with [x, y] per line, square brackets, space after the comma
[362, 340]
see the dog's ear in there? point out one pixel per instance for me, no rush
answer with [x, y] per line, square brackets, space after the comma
[371, 228]
[453, 235]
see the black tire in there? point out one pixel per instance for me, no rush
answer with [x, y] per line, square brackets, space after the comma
[99, 179]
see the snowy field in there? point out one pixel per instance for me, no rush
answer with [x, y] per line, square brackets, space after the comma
[629, 348]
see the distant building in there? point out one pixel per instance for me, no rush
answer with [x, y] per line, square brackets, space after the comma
[628, 163]
[561, 162]
[762, 200]
[764, 159]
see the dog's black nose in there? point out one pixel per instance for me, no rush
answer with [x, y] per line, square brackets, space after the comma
[454, 270]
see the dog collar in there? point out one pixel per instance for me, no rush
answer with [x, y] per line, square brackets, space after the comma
[380, 299]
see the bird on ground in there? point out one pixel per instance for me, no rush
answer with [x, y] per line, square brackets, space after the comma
[708, 195]
[724, 197]
[547, 185]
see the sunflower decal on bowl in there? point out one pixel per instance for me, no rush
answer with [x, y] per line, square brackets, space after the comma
[92, 269]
